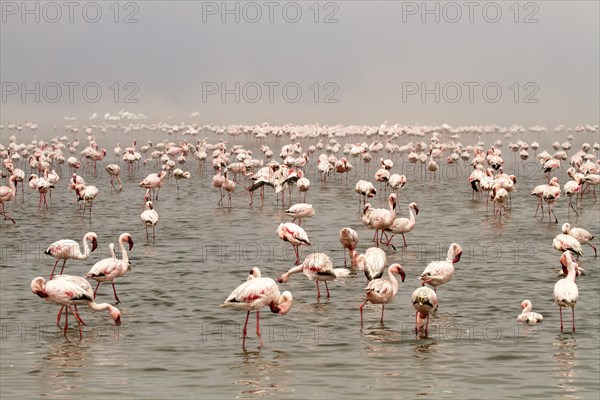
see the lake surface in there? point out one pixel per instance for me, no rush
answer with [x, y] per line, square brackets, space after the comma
[175, 341]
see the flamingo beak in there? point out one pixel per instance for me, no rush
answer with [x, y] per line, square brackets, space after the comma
[416, 210]
[94, 244]
[402, 274]
[130, 243]
[457, 257]
[118, 320]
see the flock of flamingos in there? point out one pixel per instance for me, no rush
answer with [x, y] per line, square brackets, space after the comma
[237, 168]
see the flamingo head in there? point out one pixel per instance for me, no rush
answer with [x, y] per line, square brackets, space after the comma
[283, 278]
[38, 287]
[115, 314]
[393, 200]
[254, 273]
[92, 236]
[565, 260]
[126, 237]
[566, 227]
[284, 305]
[414, 207]
[397, 268]
[526, 304]
[149, 205]
[457, 252]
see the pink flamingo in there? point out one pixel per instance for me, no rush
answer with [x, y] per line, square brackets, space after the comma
[382, 291]
[372, 263]
[381, 219]
[294, 235]
[87, 194]
[565, 290]
[550, 195]
[42, 186]
[303, 184]
[580, 234]
[424, 300]
[150, 218]
[317, 267]
[6, 194]
[109, 269]
[439, 272]
[114, 171]
[151, 182]
[564, 242]
[404, 225]
[528, 316]
[300, 211]
[68, 291]
[349, 240]
[256, 293]
[69, 249]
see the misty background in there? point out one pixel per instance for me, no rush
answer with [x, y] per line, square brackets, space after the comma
[356, 69]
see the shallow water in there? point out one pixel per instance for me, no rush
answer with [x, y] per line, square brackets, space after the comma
[175, 341]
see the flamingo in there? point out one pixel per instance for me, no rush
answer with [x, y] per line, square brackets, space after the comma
[404, 225]
[550, 195]
[68, 291]
[439, 272]
[109, 269]
[178, 173]
[114, 171]
[150, 218]
[295, 235]
[303, 184]
[582, 236]
[87, 194]
[372, 263]
[563, 242]
[255, 293]
[565, 290]
[228, 186]
[349, 240]
[6, 194]
[317, 267]
[527, 315]
[397, 181]
[365, 189]
[382, 291]
[424, 300]
[65, 249]
[42, 186]
[151, 182]
[300, 211]
[572, 188]
[381, 219]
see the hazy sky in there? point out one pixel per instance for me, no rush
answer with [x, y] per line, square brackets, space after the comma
[374, 61]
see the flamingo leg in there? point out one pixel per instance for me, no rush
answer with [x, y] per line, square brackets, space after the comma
[404, 240]
[76, 314]
[573, 316]
[297, 251]
[146, 233]
[58, 316]
[245, 331]
[153, 236]
[318, 290]
[63, 266]
[66, 321]
[52, 273]
[327, 287]
[427, 325]
[258, 332]
[561, 322]
[115, 292]
[97, 286]
[382, 308]
[361, 311]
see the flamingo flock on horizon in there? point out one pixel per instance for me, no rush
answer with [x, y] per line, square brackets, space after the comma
[236, 168]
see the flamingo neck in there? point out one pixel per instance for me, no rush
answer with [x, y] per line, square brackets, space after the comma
[124, 254]
[393, 281]
[294, 270]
